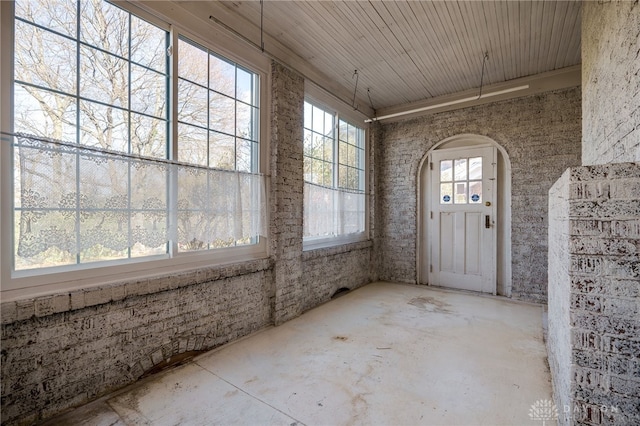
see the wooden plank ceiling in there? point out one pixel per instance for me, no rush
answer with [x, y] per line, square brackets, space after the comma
[407, 51]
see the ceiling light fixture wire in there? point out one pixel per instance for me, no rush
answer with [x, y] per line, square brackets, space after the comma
[375, 114]
[484, 62]
[355, 90]
[262, 25]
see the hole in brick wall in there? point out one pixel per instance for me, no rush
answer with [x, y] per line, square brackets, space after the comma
[171, 362]
[340, 292]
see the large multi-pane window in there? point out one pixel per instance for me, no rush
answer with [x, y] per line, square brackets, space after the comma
[334, 173]
[99, 171]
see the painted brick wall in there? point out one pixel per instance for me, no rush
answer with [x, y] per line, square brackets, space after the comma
[559, 334]
[287, 183]
[329, 269]
[594, 308]
[611, 81]
[541, 135]
[63, 350]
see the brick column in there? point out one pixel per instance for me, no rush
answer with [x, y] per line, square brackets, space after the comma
[594, 289]
[287, 183]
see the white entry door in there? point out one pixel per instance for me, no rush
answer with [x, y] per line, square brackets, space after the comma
[462, 218]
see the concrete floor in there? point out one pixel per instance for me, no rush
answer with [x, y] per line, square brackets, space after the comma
[386, 353]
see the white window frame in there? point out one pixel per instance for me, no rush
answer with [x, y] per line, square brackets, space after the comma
[320, 98]
[20, 284]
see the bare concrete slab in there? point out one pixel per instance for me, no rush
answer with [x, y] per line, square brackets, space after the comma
[386, 353]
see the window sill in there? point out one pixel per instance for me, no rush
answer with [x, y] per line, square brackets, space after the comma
[312, 251]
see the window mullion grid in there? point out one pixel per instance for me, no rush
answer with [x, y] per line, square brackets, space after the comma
[130, 147]
[207, 205]
[338, 226]
[77, 155]
[172, 149]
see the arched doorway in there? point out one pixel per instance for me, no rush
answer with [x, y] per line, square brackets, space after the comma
[464, 215]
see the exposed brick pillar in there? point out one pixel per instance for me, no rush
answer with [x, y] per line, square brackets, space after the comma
[594, 294]
[287, 183]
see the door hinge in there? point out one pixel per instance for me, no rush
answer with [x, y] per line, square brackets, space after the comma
[431, 165]
[431, 214]
[431, 268]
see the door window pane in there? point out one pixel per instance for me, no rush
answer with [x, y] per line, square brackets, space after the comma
[446, 171]
[475, 168]
[475, 192]
[446, 193]
[461, 169]
[461, 192]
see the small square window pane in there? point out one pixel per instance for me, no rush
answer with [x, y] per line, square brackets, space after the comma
[113, 37]
[327, 174]
[148, 45]
[343, 153]
[317, 145]
[328, 124]
[58, 15]
[308, 169]
[222, 76]
[54, 64]
[460, 168]
[308, 114]
[328, 150]
[104, 126]
[461, 193]
[446, 172]
[104, 77]
[244, 155]
[343, 176]
[246, 120]
[342, 130]
[318, 120]
[475, 192]
[222, 151]
[222, 114]
[192, 145]
[192, 63]
[53, 122]
[148, 92]
[308, 142]
[192, 103]
[475, 168]
[246, 86]
[148, 136]
[446, 193]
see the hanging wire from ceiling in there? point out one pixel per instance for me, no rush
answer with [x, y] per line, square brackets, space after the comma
[355, 90]
[375, 114]
[262, 25]
[484, 63]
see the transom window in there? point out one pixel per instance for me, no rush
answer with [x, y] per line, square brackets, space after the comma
[334, 172]
[461, 181]
[100, 174]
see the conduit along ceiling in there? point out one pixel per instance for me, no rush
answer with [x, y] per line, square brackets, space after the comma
[411, 54]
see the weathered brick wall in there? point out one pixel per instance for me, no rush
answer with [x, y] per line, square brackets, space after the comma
[329, 269]
[611, 81]
[541, 135]
[287, 184]
[559, 334]
[60, 351]
[600, 291]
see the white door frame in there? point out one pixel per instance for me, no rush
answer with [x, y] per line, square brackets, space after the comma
[503, 250]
